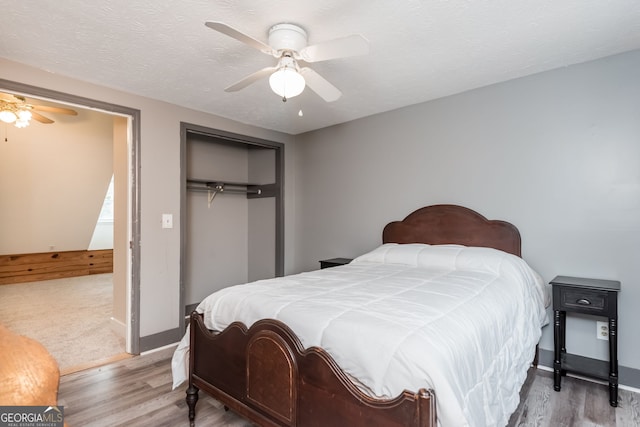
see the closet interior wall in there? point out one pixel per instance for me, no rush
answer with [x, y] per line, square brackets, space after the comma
[230, 237]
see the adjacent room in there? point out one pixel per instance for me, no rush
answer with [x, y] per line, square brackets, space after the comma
[452, 187]
[58, 235]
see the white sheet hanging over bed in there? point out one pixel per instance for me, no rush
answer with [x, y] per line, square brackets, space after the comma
[462, 321]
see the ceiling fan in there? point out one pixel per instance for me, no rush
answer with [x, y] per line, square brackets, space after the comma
[15, 109]
[288, 43]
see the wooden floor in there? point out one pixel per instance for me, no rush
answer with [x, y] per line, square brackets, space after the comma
[137, 392]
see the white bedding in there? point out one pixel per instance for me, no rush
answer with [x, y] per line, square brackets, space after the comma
[462, 321]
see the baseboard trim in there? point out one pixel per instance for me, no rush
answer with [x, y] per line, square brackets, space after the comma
[628, 378]
[160, 339]
[155, 350]
[118, 327]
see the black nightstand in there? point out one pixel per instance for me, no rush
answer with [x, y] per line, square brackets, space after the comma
[593, 297]
[334, 262]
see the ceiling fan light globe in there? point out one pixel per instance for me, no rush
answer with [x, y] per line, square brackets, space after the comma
[24, 115]
[21, 123]
[8, 116]
[287, 82]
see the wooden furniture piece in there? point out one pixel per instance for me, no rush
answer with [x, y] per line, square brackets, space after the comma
[265, 375]
[593, 297]
[29, 375]
[334, 262]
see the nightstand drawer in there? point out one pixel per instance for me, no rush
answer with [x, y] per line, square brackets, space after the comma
[592, 301]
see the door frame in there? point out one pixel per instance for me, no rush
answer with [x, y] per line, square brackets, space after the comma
[133, 287]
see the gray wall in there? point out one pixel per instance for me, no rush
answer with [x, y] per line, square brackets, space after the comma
[217, 237]
[557, 154]
[232, 241]
[262, 217]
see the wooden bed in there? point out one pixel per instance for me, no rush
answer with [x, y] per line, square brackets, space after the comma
[265, 375]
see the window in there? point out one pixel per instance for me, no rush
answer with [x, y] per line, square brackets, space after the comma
[106, 214]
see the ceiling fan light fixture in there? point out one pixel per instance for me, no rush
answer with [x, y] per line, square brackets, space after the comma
[288, 42]
[287, 82]
[8, 116]
[15, 109]
[24, 115]
[21, 123]
[17, 114]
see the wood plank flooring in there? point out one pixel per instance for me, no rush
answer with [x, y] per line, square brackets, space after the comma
[137, 392]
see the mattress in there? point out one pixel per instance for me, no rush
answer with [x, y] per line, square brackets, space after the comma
[463, 321]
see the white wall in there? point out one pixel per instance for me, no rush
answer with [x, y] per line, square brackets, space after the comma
[102, 237]
[121, 229]
[557, 154]
[53, 178]
[160, 184]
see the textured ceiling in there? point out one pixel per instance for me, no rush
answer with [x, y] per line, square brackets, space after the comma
[420, 49]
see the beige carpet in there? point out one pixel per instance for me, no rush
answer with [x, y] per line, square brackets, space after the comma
[70, 317]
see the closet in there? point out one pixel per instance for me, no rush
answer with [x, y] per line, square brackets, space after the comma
[232, 211]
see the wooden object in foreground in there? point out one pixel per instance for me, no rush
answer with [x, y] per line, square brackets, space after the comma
[29, 375]
[265, 375]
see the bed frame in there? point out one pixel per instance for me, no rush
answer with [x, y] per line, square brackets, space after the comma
[265, 375]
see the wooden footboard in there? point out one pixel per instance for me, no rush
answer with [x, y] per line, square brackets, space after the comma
[266, 376]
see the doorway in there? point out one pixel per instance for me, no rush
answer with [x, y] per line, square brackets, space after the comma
[126, 142]
[232, 207]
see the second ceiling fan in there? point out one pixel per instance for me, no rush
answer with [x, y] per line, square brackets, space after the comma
[288, 44]
[18, 110]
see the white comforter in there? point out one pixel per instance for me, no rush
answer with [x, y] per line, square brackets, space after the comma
[462, 321]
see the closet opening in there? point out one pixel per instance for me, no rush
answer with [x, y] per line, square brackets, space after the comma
[232, 216]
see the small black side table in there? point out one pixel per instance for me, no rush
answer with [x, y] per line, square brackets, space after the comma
[334, 262]
[593, 297]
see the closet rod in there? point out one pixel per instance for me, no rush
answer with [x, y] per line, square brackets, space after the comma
[215, 182]
[225, 190]
[213, 188]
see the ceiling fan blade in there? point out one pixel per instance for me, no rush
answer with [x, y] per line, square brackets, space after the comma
[40, 118]
[238, 35]
[339, 48]
[251, 78]
[320, 85]
[8, 97]
[58, 110]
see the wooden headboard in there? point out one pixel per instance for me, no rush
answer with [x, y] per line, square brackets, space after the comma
[452, 224]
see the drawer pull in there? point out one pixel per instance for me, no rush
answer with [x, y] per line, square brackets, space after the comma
[583, 301]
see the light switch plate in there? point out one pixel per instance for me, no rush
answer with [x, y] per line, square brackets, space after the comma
[167, 221]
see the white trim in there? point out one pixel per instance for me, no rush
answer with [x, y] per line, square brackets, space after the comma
[118, 327]
[155, 350]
